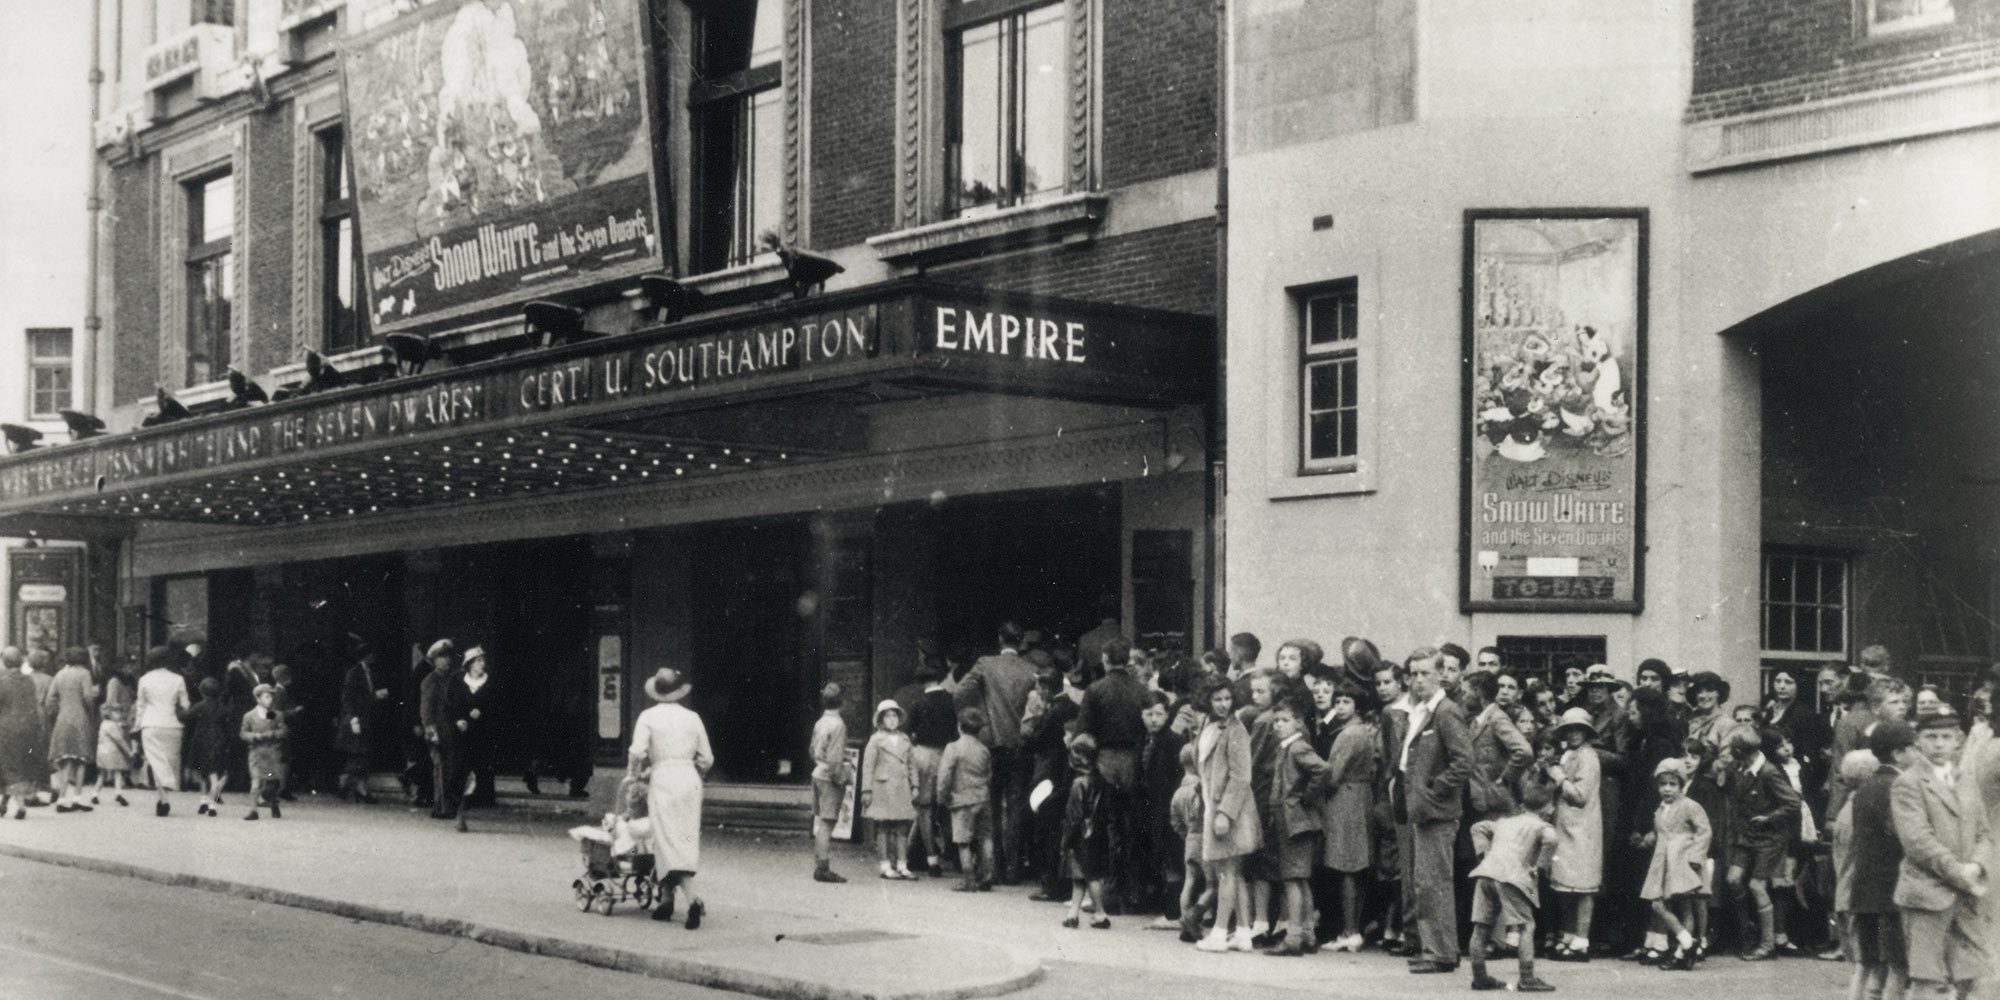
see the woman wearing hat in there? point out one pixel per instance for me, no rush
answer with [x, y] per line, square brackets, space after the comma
[670, 753]
[22, 739]
[72, 732]
[158, 711]
[361, 692]
[1577, 872]
[1709, 719]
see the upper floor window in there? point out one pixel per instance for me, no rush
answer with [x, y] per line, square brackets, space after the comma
[1805, 604]
[1329, 379]
[345, 325]
[1888, 17]
[213, 12]
[49, 372]
[1007, 77]
[736, 109]
[211, 275]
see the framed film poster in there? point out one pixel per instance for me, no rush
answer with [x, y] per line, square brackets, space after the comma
[1553, 468]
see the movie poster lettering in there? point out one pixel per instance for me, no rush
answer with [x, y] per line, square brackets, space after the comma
[1555, 339]
[501, 150]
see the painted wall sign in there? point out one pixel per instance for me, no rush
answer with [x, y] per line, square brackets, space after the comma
[500, 152]
[1553, 464]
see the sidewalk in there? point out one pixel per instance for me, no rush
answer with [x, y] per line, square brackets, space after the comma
[507, 883]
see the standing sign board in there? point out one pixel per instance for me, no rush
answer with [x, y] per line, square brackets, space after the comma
[1552, 498]
[500, 152]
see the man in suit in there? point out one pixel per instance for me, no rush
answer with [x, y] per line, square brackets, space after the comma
[1111, 714]
[998, 685]
[1876, 930]
[1431, 768]
[1939, 884]
[443, 729]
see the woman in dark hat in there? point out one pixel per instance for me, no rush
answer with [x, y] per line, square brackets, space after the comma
[670, 752]
[72, 731]
[1708, 722]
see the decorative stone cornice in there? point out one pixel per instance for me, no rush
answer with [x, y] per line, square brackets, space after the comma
[1068, 219]
[1895, 114]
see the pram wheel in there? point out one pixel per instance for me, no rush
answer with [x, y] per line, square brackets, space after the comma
[604, 903]
[642, 892]
[583, 896]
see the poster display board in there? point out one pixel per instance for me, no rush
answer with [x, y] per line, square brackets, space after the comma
[501, 150]
[1553, 468]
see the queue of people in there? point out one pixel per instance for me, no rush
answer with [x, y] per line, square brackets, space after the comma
[1443, 808]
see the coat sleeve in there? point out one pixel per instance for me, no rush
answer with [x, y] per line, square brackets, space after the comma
[1233, 799]
[1318, 783]
[1545, 847]
[1455, 744]
[1482, 837]
[871, 755]
[1921, 846]
[1698, 830]
[704, 756]
[972, 689]
[1520, 753]
[1783, 794]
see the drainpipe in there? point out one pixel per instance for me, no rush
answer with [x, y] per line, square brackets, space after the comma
[83, 390]
[1217, 422]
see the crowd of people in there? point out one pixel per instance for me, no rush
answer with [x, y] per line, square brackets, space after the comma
[1443, 805]
[76, 727]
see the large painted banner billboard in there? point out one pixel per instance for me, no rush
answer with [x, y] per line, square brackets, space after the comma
[502, 149]
[1553, 467]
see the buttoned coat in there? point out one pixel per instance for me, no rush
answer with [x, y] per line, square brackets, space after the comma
[1499, 754]
[1939, 834]
[1440, 763]
[1300, 781]
[1344, 815]
[1224, 766]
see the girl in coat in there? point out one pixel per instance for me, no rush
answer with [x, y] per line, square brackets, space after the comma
[1086, 835]
[889, 789]
[1578, 870]
[1347, 842]
[1230, 826]
[72, 731]
[210, 729]
[1679, 871]
[114, 750]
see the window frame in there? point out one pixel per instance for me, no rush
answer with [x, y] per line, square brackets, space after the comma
[961, 16]
[1868, 31]
[1845, 561]
[1348, 348]
[196, 256]
[333, 208]
[38, 363]
[730, 100]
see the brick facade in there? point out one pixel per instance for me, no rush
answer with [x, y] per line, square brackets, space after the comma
[135, 318]
[1751, 55]
[268, 255]
[853, 122]
[1159, 89]
[1172, 267]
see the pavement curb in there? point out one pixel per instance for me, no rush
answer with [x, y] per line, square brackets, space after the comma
[656, 966]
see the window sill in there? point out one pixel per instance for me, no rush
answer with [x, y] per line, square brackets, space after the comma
[761, 272]
[359, 359]
[1070, 219]
[1306, 485]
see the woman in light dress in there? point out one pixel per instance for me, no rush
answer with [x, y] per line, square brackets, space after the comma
[72, 731]
[160, 714]
[670, 752]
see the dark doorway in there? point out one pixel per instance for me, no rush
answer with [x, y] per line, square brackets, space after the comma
[539, 652]
[748, 604]
[1040, 558]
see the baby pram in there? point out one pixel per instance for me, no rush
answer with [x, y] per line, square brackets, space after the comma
[615, 869]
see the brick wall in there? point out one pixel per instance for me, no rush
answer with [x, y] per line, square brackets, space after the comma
[135, 316]
[853, 131]
[1756, 54]
[269, 257]
[1172, 267]
[1159, 89]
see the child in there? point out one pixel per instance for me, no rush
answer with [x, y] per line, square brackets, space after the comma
[1299, 780]
[1514, 850]
[208, 751]
[1197, 896]
[1787, 760]
[1345, 836]
[1577, 871]
[264, 731]
[889, 789]
[114, 749]
[289, 710]
[965, 782]
[830, 779]
[1678, 874]
[1160, 777]
[1854, 769]
[1260, 866]
[1229, 823]
[1086, 837]
[933, 725]
[1764, 819]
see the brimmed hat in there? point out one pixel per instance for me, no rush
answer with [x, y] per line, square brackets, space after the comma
[1601, 675]
[260, 690]
[442, 647]
[1575, 718]
[887, 705]
[471, 654]
[668, 685]
[1938, 720]
[1671, 765]
[1709, 680]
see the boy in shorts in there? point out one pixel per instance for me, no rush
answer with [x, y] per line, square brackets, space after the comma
[830, 779]
[1514, 850]
[965, 780]
[1764, 812]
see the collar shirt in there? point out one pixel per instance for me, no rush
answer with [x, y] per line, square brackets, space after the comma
[1420, 716]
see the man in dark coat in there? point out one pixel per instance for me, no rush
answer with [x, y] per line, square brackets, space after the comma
[1876, 933]
[442, 706]
[1431, 768]
[1111, 715]
[998, 685]
[354, 732]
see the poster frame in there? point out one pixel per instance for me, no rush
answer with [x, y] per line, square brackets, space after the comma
[652, 108]
[1640, 421]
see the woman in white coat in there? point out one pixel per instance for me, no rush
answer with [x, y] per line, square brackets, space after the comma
[670, 753]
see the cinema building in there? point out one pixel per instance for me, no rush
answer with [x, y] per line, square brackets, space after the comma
[999, 407]
[1653, 330]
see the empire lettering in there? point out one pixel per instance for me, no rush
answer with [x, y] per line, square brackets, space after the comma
[1010, 335]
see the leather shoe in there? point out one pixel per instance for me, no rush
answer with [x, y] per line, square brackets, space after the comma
[1423, 967]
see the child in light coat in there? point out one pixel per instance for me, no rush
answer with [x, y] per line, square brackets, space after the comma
[889, 789]
[114, 750]
[1679, 872]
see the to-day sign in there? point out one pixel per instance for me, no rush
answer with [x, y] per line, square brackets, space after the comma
[1554, 348]
[500, 152]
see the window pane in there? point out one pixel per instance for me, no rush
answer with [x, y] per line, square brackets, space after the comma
[49, 345]
[766, 169]
[343, 330]
[1329, 319]
[978, 178]
[214, 208]
[210, 285]
[767, 39]
[1805, 629]
[333, 164]
[1349, 397]
[1781, 579]
[1830, 639]
[1349, 429]
[1044, 105]
[1324, 392]
[1323, 436]
[1832, 588]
